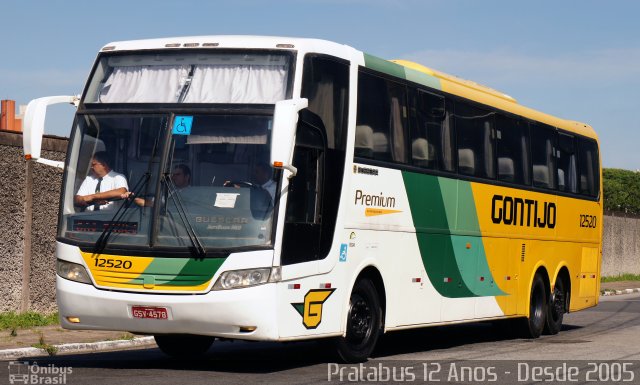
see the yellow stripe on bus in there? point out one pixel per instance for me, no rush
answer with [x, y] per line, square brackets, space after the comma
[370, 212]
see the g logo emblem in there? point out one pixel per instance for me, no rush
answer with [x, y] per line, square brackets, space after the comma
[311, 308]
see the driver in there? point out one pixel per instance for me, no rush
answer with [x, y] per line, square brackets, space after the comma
[262, 176]
[101, 186]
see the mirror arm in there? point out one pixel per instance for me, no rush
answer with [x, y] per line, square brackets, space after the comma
[293, 171]
[53, 163]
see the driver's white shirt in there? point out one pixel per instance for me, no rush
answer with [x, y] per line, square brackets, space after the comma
[111, 181]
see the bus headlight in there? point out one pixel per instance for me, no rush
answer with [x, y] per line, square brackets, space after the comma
[235, 279]
[73, 272]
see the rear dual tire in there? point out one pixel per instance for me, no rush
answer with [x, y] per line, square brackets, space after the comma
[538, 305]
[556, 308]
[546, 312]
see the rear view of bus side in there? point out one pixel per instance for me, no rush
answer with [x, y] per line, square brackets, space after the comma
[288, 189]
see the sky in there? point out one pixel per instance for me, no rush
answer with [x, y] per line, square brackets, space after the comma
[575, 59]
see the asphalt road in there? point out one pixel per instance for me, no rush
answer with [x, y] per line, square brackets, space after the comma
[599, 345]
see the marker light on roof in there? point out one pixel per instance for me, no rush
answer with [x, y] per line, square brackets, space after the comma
[210, 44]
[172, 45]
[190, 45]
[285, 45]
[109, 48]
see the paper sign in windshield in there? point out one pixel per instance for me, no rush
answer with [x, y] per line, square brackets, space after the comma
[226, 200]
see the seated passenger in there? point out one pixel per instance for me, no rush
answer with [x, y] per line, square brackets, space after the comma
[101, 186]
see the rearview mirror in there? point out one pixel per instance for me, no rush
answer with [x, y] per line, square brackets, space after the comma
[34, 118]
[285, 119]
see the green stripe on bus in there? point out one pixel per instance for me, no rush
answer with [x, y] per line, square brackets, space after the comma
[455, 264]
[179, 271]
[377, 64]
[422, 78]
[387, 67]
[441, 265]
[481, 282]
[433, 233]
[198, 271]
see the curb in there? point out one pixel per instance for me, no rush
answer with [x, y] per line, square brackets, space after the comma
[11, 354]
[608, 292]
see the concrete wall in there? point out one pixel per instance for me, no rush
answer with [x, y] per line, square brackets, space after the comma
[621, 249]
[19, 259]
[12, 198]
[620, 246]
[46, 201]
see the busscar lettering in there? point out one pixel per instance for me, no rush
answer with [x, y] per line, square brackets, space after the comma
[523, 212]
[374, 200]
[222, 220]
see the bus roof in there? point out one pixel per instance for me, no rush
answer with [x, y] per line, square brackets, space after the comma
[485, 95]
[400, 68]
[234, 41]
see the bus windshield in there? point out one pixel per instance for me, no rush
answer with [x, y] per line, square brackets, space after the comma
[167, 181]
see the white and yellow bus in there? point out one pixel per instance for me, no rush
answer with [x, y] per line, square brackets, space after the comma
[393, 197]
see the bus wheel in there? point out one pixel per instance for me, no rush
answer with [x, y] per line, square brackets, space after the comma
[537, 308]
[555, 312]
[183, 345]
[364, 323]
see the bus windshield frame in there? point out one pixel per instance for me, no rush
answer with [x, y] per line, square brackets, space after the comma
[228, 142]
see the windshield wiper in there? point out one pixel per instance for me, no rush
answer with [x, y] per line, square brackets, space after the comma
[191, 233]
[101, 243]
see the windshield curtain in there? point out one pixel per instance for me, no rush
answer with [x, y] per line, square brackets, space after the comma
[208, 185]
[188, 77]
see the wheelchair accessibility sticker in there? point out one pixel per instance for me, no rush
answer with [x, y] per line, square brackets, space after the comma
[343, 252]
[182, 125]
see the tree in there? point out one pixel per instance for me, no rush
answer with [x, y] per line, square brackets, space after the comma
[621, 190]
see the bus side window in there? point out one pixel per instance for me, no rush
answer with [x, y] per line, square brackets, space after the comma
[589, 182]
[382, 107]
[567, 163]
[429, 130]
[543, 147]
[512, 147]
[303, 218]
[475, 131]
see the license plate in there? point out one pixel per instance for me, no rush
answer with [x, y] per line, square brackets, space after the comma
[149, 312]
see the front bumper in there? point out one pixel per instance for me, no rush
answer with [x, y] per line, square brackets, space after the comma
[217, 313]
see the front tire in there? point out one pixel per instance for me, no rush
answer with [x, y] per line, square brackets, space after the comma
[183, 345]
[535, 323]
[557, 305]
[364, 323]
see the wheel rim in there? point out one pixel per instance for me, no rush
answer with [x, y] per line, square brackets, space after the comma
[360, 320]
